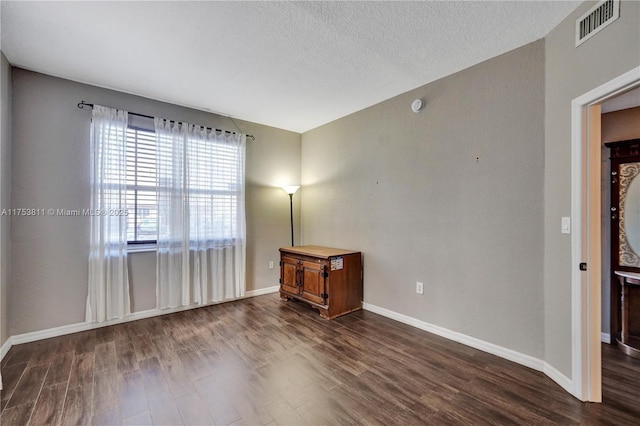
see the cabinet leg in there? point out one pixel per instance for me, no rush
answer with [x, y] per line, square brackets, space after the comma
[284, 297]
[624, 302]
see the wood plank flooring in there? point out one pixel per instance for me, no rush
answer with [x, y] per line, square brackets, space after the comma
[261, 361]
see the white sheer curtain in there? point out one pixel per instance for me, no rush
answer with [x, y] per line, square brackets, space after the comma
[108, 296]
[201, 215]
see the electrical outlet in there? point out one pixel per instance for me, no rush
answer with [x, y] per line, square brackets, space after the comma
[271, 264]
[419, 288]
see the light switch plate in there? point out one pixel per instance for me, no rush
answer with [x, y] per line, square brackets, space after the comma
[566, 225]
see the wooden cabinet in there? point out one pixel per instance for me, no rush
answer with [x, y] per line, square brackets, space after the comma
[328, 279]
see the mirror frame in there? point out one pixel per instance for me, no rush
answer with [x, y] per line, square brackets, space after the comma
[627, 174]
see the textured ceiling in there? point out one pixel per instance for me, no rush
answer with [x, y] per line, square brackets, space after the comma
[293, 65]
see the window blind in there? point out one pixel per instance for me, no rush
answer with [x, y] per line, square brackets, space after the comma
[142, 201]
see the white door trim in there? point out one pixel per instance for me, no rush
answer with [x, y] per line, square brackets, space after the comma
[586, 386]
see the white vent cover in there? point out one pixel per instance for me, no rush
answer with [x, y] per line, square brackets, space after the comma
[596, 19]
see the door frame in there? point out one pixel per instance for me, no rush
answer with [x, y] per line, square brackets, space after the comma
[586, 309]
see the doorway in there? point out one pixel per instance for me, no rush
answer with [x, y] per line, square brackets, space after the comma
[620, 124]
[586, 246]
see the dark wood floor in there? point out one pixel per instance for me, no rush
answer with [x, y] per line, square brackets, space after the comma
[263, 361]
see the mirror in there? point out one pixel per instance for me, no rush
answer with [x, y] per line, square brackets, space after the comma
[629, 223]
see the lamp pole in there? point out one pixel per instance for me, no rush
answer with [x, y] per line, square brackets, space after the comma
[291, 189]
[291, 211]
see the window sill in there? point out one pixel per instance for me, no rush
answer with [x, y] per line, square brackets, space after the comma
[142, 248]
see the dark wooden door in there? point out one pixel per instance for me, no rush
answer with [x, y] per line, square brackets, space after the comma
[313, 281]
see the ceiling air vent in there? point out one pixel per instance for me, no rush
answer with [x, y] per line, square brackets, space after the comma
[598, 17]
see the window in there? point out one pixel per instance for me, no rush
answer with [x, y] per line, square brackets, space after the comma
[142, 201]
[213, 182]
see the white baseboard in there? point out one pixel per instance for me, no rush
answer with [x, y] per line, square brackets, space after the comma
[605, 338]
[562, 380]
[261, 291]
[502, 352]
[5, 348]
[84, 326]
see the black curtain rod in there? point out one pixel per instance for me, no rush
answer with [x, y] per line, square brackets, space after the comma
[82, 104]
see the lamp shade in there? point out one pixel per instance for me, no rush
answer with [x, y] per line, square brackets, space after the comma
[291, 189]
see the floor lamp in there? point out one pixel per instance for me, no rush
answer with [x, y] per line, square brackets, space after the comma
[291, 189]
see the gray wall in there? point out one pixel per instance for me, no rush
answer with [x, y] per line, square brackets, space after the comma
[571, 72]
[50, 169]
[451, 196]
[5, 194]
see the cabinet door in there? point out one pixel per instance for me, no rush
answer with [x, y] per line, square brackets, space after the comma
[313, 282]
[289, 275]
